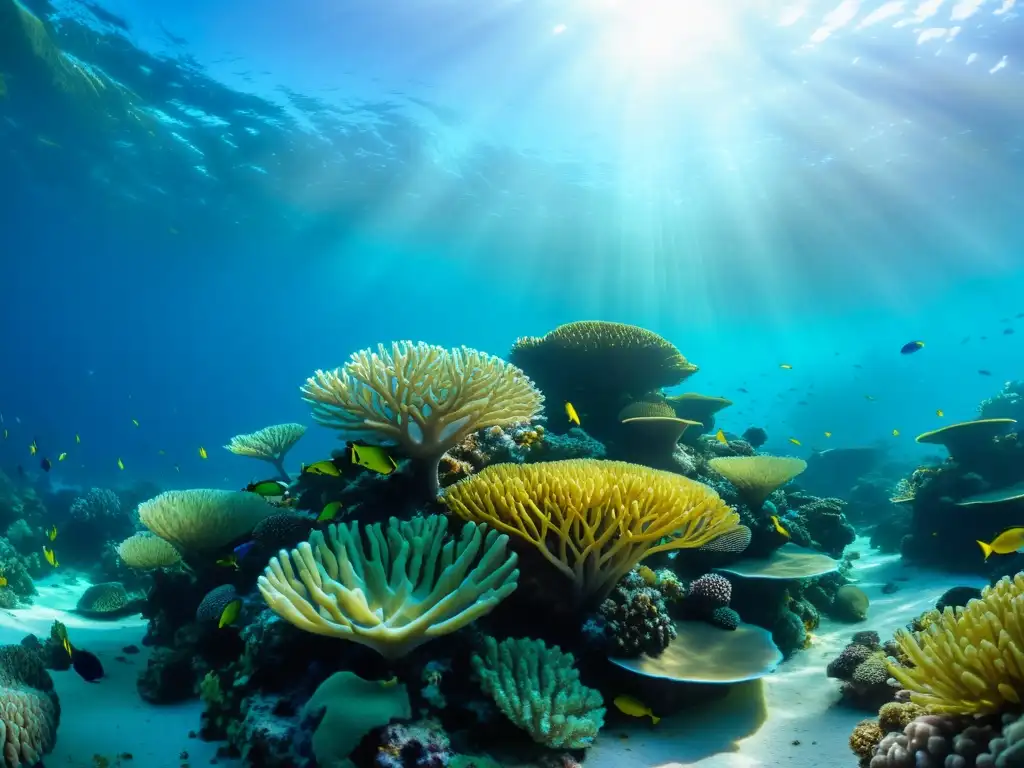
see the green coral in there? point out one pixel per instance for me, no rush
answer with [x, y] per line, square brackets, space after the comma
[539, 690]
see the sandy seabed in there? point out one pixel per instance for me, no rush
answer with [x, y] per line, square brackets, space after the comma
[788, 719]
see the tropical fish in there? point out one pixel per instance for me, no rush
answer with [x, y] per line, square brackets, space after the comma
[940, 413]
[983, 372]
[720, 437]
[373, 457]
[327, 467]
[895, 433]
[828, 434]
[78, 439]
[794, 441]
[62, 456]
[202, 452]
[786, 367]
[3, 580]
[1007, 331]
[330, 512]
[51, 534]
[120, 464]
[869, 397]
[230, 614]
[779, 527]
[50, 556]
[32, 448]
[911, 347]
[243, 549]
[177, 468]
[231, 561]
[634, 708]
[570, 412]
[1006, 543]
[86, 664]
[46, 464]
[135, 422]
[267, 488]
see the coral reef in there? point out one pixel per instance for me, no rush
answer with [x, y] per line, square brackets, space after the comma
[636, 620]
[31, 711]
[203, 520]
[861, 666]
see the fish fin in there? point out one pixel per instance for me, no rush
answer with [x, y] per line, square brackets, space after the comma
[985, 548]
[655, 719]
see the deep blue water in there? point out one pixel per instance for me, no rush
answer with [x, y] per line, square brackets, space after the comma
[252, 193]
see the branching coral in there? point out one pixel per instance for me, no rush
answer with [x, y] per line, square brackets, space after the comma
[410, 586]
[971, 660]
[539, 689]
[425, 398]
[756, 477]
[269, 444]
[594, 520]
[202, 520]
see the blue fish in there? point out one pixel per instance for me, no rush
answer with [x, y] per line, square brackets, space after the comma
[911, 347]
[243, 549]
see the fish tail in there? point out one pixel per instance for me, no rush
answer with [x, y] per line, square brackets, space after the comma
[655, 719]
[985, 548]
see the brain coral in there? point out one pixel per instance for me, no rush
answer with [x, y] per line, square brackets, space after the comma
[30, 710]
[106, 598]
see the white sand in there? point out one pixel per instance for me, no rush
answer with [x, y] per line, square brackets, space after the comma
[107, 718]
[799, 698]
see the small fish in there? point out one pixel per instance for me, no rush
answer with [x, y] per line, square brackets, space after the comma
[86, 664]
[3, 580]
[326, 467]
[794, 441]
[634, 708]
[62, 456]
[940, 413]
[267, 488]
[330, 512]
[50, 556]
[135, 422]
[869, 397]
[786, 367]
[373, 457]
[828, 434]
[243, 549]
[911, 347]
[1007, 331]
[51, 534]
[161, 452]
[46, 464]
[202, 452]
[1006, 543]
[177, 468]
[743, 390]
[983, 372]
[230, 614]
[895, 433]
[78, 439]
[120, 464]
[570, 412]
[779, 527]
[389, 683]
[720, 437]
[231, 561]
[32, 448]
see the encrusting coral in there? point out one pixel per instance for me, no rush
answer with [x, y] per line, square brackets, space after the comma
[595, 520]
[539, 690]
[269, 444]
[971, 660]
[409, 584]
[424, 398]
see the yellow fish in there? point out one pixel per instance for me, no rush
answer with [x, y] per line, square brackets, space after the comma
[230, 614]
[828, 434]
[940, 413]
[794, 441]
[62, 456]
[786, 367]
[895, 433]
[3, 580]
[373, 457]
[52, 533]
[202, 452]
[50, 556]
[325, 467]
[120, 464]
[635, 708]
[33, 448]
[389, 683]
[720, 437]
[78, 439]
[778, 526]
[1006, 543]
[231, 561]
[67, 646]
[330, 512]
[135, 422]
[570, 412]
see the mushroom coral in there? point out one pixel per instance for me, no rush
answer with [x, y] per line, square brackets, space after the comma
[757, 477]
[595, 520]
[408, 586]
[966, 437]
[425, 398]
[269, 444]
[971, 659]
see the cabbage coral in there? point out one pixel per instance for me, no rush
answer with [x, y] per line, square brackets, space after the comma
[425, 398]
[269, 444]
[970, 660]
[594, 520]
[410, 586]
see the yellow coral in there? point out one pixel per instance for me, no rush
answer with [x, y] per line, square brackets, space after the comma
[865, 737]
[756, 477]
[593, 520]
[425, 398]
[897, 715]
[970, 660]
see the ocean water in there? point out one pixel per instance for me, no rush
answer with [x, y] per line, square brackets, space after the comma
[203, 203]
